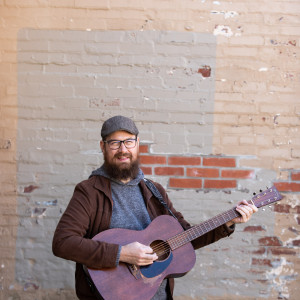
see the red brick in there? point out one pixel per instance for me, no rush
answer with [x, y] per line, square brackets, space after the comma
[261, 251]
[270, 241]
[237, 174]
[30, 188]
[149, 159]
[258, 272]
[253, 228]
[219, 184]
[219, 162]
[282, 251]
[296, 243]
[282, 208]
[144, 148]
[287, 186]
[261, 281]
[205, 71]
[167, 171]
[202, 172]
[147, 170]
[184, 161]
[264, 262]
[185, 183]
[295, 176]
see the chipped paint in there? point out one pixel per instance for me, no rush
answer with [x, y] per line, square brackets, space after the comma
[263, 70]
[223, 30]
[205, 71]
[275, 118]
[30, 188]
[38, 212]
[47, 203]
[293, 201]
[226, 14]
[5, 144]
[280, 275]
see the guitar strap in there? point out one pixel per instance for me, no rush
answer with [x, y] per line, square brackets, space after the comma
[158, 195]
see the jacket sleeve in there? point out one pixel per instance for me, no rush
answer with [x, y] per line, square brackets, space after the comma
[71, 239]
[204, 240]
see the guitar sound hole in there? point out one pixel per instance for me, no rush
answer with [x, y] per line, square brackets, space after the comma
[161, 248]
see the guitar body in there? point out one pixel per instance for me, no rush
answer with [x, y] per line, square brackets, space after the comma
[125, 283]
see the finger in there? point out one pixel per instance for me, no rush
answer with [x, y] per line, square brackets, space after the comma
[251, 208]
[149, 253]
[148, 250]
[147, 259]
[244, 212]
[254, 208]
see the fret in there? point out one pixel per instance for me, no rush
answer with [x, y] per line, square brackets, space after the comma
[191, 236]
[199, 230]
[217, 221]
[213, 225]
[222, 215]
[227, 214]
[205, 227]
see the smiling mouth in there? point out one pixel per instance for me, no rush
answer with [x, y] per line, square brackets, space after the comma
[123, 158]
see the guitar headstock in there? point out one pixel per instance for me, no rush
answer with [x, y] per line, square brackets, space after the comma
[266, 197]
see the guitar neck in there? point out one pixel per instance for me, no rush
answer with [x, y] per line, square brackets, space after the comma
[266, 197]
[201, 229]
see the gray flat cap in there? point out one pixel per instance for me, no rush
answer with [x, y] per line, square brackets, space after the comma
[117, 123]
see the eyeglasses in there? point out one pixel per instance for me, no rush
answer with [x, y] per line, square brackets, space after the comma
[116, 144]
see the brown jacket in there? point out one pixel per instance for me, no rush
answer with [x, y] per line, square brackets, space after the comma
[89, 212]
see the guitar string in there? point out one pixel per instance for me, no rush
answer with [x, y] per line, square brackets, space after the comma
[181, 239]
[177, 241]
[194, 232]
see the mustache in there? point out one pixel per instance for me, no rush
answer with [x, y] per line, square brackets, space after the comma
[118, 155]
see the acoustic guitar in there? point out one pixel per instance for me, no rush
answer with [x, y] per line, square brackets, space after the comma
[176, 255]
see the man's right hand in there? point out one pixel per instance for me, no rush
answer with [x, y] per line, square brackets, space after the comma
[137, 254]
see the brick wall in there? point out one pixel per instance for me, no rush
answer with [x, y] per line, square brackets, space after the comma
[230, 97]
[207, 172]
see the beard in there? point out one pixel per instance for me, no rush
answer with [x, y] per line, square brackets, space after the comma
[122, 171]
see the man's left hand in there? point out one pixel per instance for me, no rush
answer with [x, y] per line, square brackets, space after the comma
[246, 211]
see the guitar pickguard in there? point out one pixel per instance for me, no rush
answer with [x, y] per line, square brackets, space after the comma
[156, 268]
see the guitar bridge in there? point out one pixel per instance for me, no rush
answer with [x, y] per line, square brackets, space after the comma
[135, 271]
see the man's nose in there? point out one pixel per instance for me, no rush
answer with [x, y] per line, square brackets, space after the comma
[123, 147]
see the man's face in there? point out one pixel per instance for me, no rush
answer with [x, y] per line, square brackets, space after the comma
[121, 163]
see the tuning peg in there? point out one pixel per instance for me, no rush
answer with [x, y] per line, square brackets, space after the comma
[260, 190]
[254, 194]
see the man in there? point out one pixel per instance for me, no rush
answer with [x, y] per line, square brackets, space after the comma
[115, 196]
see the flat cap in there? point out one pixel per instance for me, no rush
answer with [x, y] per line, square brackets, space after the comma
[118, 123]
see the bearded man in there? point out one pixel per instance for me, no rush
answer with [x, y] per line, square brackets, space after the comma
[116, 196]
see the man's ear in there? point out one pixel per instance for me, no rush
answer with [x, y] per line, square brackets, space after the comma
[102, 146]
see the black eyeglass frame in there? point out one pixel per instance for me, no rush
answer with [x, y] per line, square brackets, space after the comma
[120, 143]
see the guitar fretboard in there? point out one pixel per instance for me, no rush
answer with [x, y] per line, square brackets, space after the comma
[201, 229]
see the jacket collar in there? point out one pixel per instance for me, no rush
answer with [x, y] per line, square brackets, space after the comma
[103, 184]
